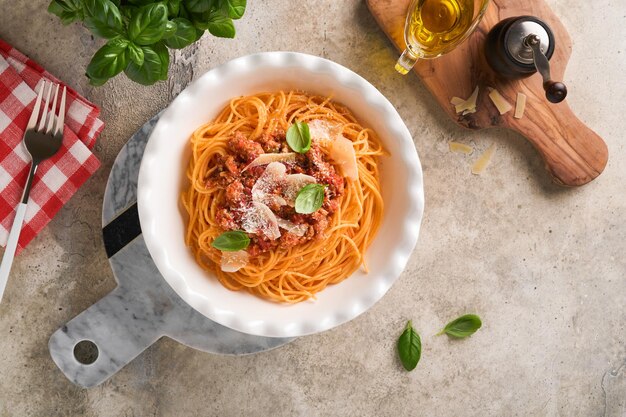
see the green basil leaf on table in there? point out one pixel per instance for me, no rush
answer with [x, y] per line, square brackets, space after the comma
[127, 12]
[310, 198]
[231, 241]
[153, 68]
[221, 25]
[170, 29]
[173, 7]
[462, 327]
[185, 34]
[299, 137]
[107, 62]
[135, 53]
[103, 18]
[67, 10]
[117, 3]
[234, 8]
[199, 6]
[147, 24]
[409, 347]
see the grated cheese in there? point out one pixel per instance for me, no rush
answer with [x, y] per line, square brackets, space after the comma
[500, 102]
[481, 163]
[342, 152]
[520, 105]
[263, 188]
[296, 229]
[259, 219]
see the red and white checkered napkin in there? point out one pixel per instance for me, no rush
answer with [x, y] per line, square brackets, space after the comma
[57, 178]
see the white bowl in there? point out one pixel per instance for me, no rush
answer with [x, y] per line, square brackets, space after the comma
[162, 178]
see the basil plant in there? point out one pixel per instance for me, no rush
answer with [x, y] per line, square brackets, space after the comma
[139, 32]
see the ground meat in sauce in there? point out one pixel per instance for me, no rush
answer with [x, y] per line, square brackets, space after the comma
[238, 185]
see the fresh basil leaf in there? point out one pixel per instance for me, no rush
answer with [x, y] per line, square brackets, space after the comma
[103, 18]
[107, 62]
[409, 347]
[127, 12]
[185, 34]
[173, 7]
[298, 137]
[147, 25]
[67, 10]
[231, 241]
[199, 6]
[136, 54]
[199, 33]
[233, 8]
[164, 55]
[170, 29]
[221, 25]
[153, 67]
[310, 198]
[117, 3]
[462, 327]
[141, 2]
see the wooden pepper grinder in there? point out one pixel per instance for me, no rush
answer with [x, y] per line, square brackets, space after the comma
[520, 46]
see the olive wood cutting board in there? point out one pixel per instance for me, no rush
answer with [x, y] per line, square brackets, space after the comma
[573, 154]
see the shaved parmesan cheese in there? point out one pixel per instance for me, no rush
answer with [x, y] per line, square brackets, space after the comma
[259, 219]
[234, 261]
[456, 101]
[263, 188]
[342, 152]
[466, 106]
[481, 163]
[323, 132]
[296, 229]
[520, 105]
[461, 148]
[293, 184]
[500, 102]
[268, 158]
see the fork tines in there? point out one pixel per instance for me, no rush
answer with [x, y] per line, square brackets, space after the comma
[54, 123]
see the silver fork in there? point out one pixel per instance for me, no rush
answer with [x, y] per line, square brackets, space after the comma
[43, 138]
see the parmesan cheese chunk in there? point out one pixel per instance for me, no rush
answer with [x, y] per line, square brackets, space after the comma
[323, 132]
[296, 229]
[481, 163]
[272, 178]
[267, 158]
[259, 219]
[465, 106]
[342, 152]
[520, 105]
[460, 147]
[500, 102]
[234, 261]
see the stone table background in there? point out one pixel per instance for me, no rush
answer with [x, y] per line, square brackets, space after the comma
[543, 266]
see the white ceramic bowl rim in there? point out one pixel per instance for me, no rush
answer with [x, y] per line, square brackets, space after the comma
[161, 178]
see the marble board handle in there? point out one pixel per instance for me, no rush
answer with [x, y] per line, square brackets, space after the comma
[107, 336]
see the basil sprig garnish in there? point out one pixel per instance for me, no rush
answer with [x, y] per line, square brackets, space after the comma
[310, 198]
[231, 241]
[409, 347]
[462, 327]
[298, 137]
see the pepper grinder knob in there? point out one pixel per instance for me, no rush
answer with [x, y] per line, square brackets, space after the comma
[555, 90]
[520, 46]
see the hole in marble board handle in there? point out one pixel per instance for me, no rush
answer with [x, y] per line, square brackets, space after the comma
[86, 352]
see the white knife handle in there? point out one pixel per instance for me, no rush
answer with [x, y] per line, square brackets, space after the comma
[9, 251]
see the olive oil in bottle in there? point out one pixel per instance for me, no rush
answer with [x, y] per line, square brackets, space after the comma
[437, 24]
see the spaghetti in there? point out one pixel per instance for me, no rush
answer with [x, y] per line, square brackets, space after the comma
[296, 273]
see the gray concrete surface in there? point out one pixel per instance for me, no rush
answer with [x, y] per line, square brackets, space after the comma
[543, 266]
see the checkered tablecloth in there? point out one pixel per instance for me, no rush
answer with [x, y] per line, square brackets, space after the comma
[57, 178]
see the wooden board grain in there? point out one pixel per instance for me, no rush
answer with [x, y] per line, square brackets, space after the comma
[573, 154]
